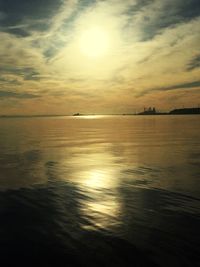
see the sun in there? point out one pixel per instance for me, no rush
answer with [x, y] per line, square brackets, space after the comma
[94, 42]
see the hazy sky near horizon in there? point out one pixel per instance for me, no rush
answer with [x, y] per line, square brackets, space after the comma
[87, 56]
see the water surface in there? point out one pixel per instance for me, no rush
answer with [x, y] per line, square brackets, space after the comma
[100, 190]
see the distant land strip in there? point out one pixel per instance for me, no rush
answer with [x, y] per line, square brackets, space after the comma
[181, 111]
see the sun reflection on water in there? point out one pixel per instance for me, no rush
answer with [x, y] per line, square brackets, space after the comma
[99, 179]
[103, 206]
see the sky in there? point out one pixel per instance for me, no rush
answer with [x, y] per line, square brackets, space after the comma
[110, 57]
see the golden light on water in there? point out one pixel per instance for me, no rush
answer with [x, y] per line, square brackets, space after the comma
[98, 179]
[103, 212]
[105, 207]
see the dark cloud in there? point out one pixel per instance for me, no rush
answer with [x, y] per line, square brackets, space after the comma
[9, 81]
[27, 73]
[158, 15]
[138, 6]
[33, 9]
[180, 86]
[17, 31]
[32, 75]
[30, 11]
[8, 94]
[194, 63]
[53, 49]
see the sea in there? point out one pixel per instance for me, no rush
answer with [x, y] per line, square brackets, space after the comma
[100, 191]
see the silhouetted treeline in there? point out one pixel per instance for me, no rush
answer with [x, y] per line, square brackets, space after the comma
[185, 111]
[152, 111]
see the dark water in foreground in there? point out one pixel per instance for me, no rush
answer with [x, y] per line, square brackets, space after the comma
[100, 191]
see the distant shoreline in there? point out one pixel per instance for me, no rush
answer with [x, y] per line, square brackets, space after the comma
[180, 111]
[183, 111]
[86, 115]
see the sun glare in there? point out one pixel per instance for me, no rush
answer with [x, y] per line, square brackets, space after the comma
[94, 42]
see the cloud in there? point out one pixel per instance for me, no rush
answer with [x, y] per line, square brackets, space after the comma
[194, 63]
[7, 94]
[10, 81]
[154, 46]
[187, 85]
[19, 11]
[153, 17]
[181, 86]
[27, 73]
